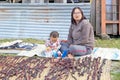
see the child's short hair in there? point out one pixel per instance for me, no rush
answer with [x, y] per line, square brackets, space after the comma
[54, 34]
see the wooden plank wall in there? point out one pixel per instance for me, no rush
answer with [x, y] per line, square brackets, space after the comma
[110, 20]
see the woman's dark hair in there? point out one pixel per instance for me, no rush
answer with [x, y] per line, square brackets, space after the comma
[54, 34]
[72, 19]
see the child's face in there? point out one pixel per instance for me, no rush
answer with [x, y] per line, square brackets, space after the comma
[53, 39]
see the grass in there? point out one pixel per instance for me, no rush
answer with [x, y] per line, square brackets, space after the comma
[115, 70]
[115, 76]
[34, 41]
[7, 54]
[112, 43]
[24, 40]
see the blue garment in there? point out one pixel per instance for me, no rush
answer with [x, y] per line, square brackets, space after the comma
[64, 46]
[64, 54]
[64, 49]
[55, 54]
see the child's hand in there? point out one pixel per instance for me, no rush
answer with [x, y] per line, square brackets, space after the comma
[59, 53]
[48, 48]
[55, 48]
[64, 41]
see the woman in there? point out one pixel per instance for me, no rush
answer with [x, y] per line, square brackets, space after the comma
[81, 36]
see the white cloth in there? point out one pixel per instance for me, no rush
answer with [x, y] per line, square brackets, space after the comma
[106, 53]
[37, 51]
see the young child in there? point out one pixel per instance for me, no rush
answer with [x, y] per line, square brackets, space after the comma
[53, 45]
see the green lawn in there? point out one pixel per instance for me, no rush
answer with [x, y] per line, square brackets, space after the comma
[112, 43]
[24, 40]
[115, 76]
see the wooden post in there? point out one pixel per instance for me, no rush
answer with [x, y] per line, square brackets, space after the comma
[90, 1]
[119, 16]
[41, 1]
[37, 1]
[93, 14]
[45, 1]
[103, 16]
[32, 1]
[26, 1]
[60, 1]
[114, 16]
[98, 17]
[64, 1]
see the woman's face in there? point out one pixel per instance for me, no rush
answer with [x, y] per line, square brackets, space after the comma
[77, 15]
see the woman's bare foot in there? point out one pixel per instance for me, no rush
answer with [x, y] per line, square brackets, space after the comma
[70, 56]
[55, 59]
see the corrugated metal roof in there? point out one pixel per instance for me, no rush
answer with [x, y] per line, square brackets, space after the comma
[37, 20]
